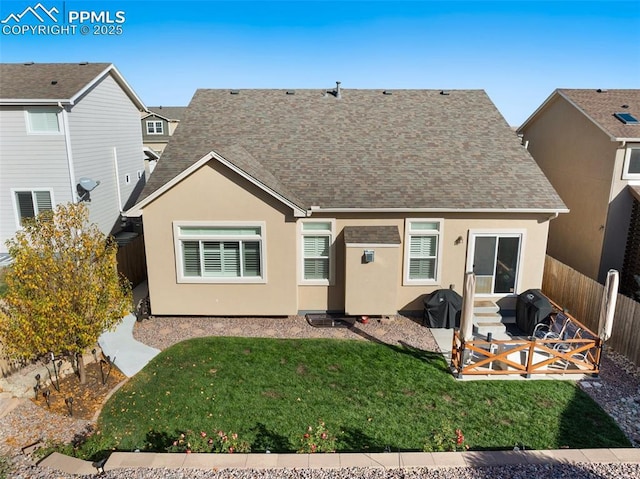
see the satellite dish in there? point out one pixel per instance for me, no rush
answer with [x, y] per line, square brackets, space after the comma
[88, 184]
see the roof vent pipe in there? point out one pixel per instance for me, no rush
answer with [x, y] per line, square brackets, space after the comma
[338, 90]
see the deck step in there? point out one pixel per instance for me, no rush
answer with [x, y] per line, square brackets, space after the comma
[485, 306]
[482, 328]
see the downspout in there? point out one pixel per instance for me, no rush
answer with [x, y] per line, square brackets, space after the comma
[67, 144]
[115, 165]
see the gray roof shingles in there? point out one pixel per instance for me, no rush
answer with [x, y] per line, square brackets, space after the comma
[410, 149]
[371, 235]
[36, 81]
[601, 106]
[170, 112]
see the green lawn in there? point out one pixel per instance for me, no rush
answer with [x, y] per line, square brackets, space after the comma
[371, 396]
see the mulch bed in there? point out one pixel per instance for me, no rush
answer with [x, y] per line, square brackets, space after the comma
[88, 398]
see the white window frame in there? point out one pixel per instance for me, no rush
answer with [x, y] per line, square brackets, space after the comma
[627, 161]
[43, 109]
[156, 130]
[408, 233]
[512, 233]
[332, 253]
[178, 237]
[14, 199]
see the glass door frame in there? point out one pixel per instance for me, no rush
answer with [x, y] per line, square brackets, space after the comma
[497, 233]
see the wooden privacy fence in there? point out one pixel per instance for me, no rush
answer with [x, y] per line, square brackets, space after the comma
[132, 260]
[582, 297]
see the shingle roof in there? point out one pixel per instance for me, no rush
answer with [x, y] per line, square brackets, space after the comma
[601, 106]
[170, 112]
[36, 81]
[410, 149]
[371, 235]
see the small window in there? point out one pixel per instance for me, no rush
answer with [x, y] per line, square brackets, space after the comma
[220, 253]
[316, 248]
[154, 128]
[30, 204]
[422, 251]
[43, 120]
[632, 164]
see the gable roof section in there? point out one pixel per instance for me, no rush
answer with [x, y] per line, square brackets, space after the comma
[411, 150]
[169, 113]
[600, 106]
[52, 83]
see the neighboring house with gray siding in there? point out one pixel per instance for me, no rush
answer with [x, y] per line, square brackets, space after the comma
[62, 126]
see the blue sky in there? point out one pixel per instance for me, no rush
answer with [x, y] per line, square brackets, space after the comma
[517, 51]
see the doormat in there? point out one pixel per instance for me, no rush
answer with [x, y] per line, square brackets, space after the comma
[330, 320]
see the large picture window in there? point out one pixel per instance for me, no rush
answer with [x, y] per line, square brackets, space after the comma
[317, 240]
[30, 203]
[223, 253]
[422, 251]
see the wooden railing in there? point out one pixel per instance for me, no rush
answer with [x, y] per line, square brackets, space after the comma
[529, 355]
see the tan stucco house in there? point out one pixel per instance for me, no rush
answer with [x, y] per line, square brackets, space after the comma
[587, 142]
[276, 202]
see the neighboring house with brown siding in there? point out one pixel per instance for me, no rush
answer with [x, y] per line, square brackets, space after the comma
[274, 202]
[62, 126]
[588, 145]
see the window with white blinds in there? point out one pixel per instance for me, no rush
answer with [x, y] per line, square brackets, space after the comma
[43, 120]
[317, 238]
[422, 251]
[30, 203]
[221, 252]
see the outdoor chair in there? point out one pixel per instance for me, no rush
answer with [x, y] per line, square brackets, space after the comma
[554, 329]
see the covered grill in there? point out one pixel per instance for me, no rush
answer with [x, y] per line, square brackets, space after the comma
[532, 307]
[442, 309]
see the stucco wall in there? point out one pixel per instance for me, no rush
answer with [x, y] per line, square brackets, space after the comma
[210, 195]
[213, 193]
[578, 158]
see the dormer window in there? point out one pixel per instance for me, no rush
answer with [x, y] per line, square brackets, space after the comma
[154, 128]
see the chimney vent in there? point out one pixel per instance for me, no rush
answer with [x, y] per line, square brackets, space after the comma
[338, 90]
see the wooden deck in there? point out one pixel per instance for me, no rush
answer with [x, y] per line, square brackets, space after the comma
[577, 353]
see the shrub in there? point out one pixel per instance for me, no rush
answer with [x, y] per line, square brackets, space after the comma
[446, 439]
[317, 440]
[219, 442]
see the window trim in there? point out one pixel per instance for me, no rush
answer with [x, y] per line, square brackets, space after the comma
[55, 110]
[177, 242]
[332, 252]
[14, 200]
[408, 233]
[627, 160]
[155, 124]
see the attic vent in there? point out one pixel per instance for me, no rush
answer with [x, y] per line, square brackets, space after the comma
[291, 92]
[387, 92]
[83, 63]
[624, 106]
[444, 92]
[28, 64]
[54, 82]
[601, 90]
[234, 92]
[626, 118]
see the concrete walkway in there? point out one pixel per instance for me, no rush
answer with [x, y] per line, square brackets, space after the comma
[129, 355]
[121, 460]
